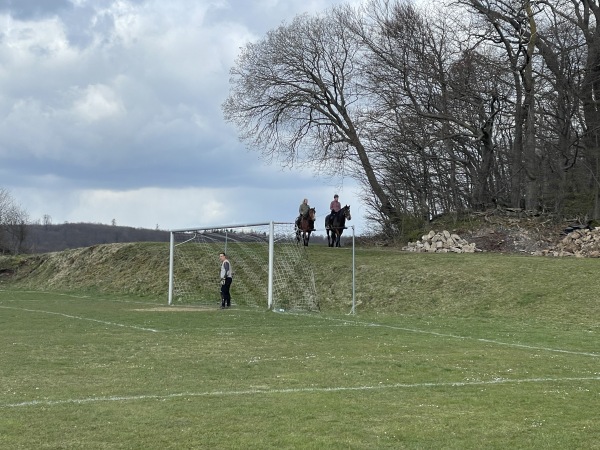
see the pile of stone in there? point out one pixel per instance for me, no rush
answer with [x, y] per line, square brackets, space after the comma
[443, 242]
[584, 243]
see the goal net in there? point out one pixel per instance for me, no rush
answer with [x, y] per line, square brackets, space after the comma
[270, 268]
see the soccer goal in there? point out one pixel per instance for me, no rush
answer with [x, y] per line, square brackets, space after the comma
[270, 269]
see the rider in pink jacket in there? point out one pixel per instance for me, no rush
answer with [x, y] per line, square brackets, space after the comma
[335, 207]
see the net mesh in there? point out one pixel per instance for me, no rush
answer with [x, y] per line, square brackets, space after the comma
[196, 267]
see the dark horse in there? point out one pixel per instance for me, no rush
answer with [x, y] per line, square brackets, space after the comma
[304, 227]
[336, 223]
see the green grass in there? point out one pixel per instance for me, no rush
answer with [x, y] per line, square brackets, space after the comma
[444, 351]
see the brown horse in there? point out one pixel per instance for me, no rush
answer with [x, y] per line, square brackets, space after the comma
[305, 227]
[336, 224]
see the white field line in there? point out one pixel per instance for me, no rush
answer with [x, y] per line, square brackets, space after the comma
[454, 336]
[104, 322]
[44, 292]
[125, 398]
[84, 297]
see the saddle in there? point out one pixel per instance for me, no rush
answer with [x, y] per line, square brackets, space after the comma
[299, 220]
[330, 218]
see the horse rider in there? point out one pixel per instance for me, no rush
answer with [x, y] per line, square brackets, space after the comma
[335, 206]
[303, 210]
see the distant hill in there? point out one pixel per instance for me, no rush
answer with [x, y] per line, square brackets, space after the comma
[54, 238]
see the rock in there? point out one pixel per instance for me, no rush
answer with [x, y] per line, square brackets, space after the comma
[512, 230]
[581, 243]
[443, 242]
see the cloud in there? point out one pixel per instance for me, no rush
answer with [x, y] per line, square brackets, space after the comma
[116, 112]
[98, 102]
[34, 9]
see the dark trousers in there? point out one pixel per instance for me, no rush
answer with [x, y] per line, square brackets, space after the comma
[225, 295]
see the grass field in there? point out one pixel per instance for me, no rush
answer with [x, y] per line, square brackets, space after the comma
[445, 351]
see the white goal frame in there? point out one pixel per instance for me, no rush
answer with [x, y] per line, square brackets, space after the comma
[275, 236]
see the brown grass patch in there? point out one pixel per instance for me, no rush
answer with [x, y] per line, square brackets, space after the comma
[178, 308]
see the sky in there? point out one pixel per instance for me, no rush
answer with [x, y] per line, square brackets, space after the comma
[110, 112]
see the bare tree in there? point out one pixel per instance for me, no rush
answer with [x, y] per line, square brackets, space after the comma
[561, 125]
[13, 224]
[296, 97]
[421, 68]
[561, 54]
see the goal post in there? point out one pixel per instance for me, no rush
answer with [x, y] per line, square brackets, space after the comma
[270, 268]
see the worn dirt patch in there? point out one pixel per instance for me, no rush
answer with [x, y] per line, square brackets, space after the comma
[510, 230]
[178, 308]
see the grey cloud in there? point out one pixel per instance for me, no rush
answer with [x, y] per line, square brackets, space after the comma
[83, 24]
[34, 9]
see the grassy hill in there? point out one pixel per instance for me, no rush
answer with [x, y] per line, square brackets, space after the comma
[387, 280]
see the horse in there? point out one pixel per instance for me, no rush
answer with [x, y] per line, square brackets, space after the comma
[303, 227]
[337, 225]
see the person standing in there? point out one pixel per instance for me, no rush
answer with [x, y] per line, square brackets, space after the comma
[226, 280]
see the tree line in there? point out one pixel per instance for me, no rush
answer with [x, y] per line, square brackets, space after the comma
[13, 223]
[465, 105]
[18, 235]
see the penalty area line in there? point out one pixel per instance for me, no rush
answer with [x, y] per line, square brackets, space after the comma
[104, 322]
[128, 398]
